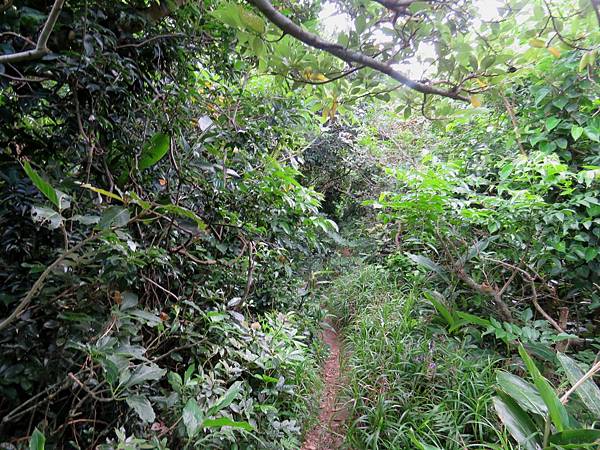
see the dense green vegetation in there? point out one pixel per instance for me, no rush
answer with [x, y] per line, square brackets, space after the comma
[191, 190]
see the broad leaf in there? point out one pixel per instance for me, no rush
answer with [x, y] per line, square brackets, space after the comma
[141, 405]
[226, 422]
[588, 391]
[114, 216]
[192, 417]
[556, 409]
[37, 440]
[517, 422]
[576, 437]
[154, 150]
[47, 217]
[183, 212]
[43, 186]
[440, 307]
[552, 123]
[226, 399]
[146, 317]
[576, 132]
[429, 264]
[145, 373]
[523, 392]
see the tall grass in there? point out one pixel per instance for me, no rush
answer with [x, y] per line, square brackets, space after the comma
[408, 383]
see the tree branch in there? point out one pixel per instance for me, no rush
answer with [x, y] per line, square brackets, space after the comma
[345, 54]
[41, 48]
[39, 283]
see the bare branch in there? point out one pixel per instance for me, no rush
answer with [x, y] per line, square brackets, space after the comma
[41, 48]
[345, 54]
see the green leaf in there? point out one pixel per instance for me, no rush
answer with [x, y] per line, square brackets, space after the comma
[47, 217]
[251, 21]
[588, 392]
[102, 191]
[114, 216]
[141, 405]
[146, 317]
[576, 132]
[575, 437]
[506, 171]
[145, 373]
[440, 307]
[43, 186]
[37, 441]
[226, 422]
[556, 409]
[192, 417]
[523, 392]
[552, 122]
[229, 15]
[226, 399]
[429, 264]
[183, 212]
[517, 422]
[154, 150]
[561, 143]
[592, 134]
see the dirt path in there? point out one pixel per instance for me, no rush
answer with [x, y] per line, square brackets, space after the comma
[327, 434]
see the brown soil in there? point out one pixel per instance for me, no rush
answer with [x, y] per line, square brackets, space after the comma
[328, 433]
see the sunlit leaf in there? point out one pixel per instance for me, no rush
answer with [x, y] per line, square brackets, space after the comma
[154, 150]
[43, 186]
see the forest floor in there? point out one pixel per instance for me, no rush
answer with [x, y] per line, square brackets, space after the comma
[328, 432]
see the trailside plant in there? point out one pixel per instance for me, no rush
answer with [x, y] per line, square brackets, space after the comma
[537, 418]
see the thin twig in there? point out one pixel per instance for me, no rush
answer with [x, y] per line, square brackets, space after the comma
[590, 373]
[39, 283]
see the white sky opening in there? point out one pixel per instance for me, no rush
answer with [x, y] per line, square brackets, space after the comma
[333, 23]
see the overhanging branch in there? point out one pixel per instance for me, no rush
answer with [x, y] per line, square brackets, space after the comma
[41, 48]
[345, 54]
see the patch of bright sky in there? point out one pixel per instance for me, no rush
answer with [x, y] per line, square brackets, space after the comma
[335, 23]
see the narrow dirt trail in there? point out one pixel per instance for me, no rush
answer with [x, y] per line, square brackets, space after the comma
[328, 433]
